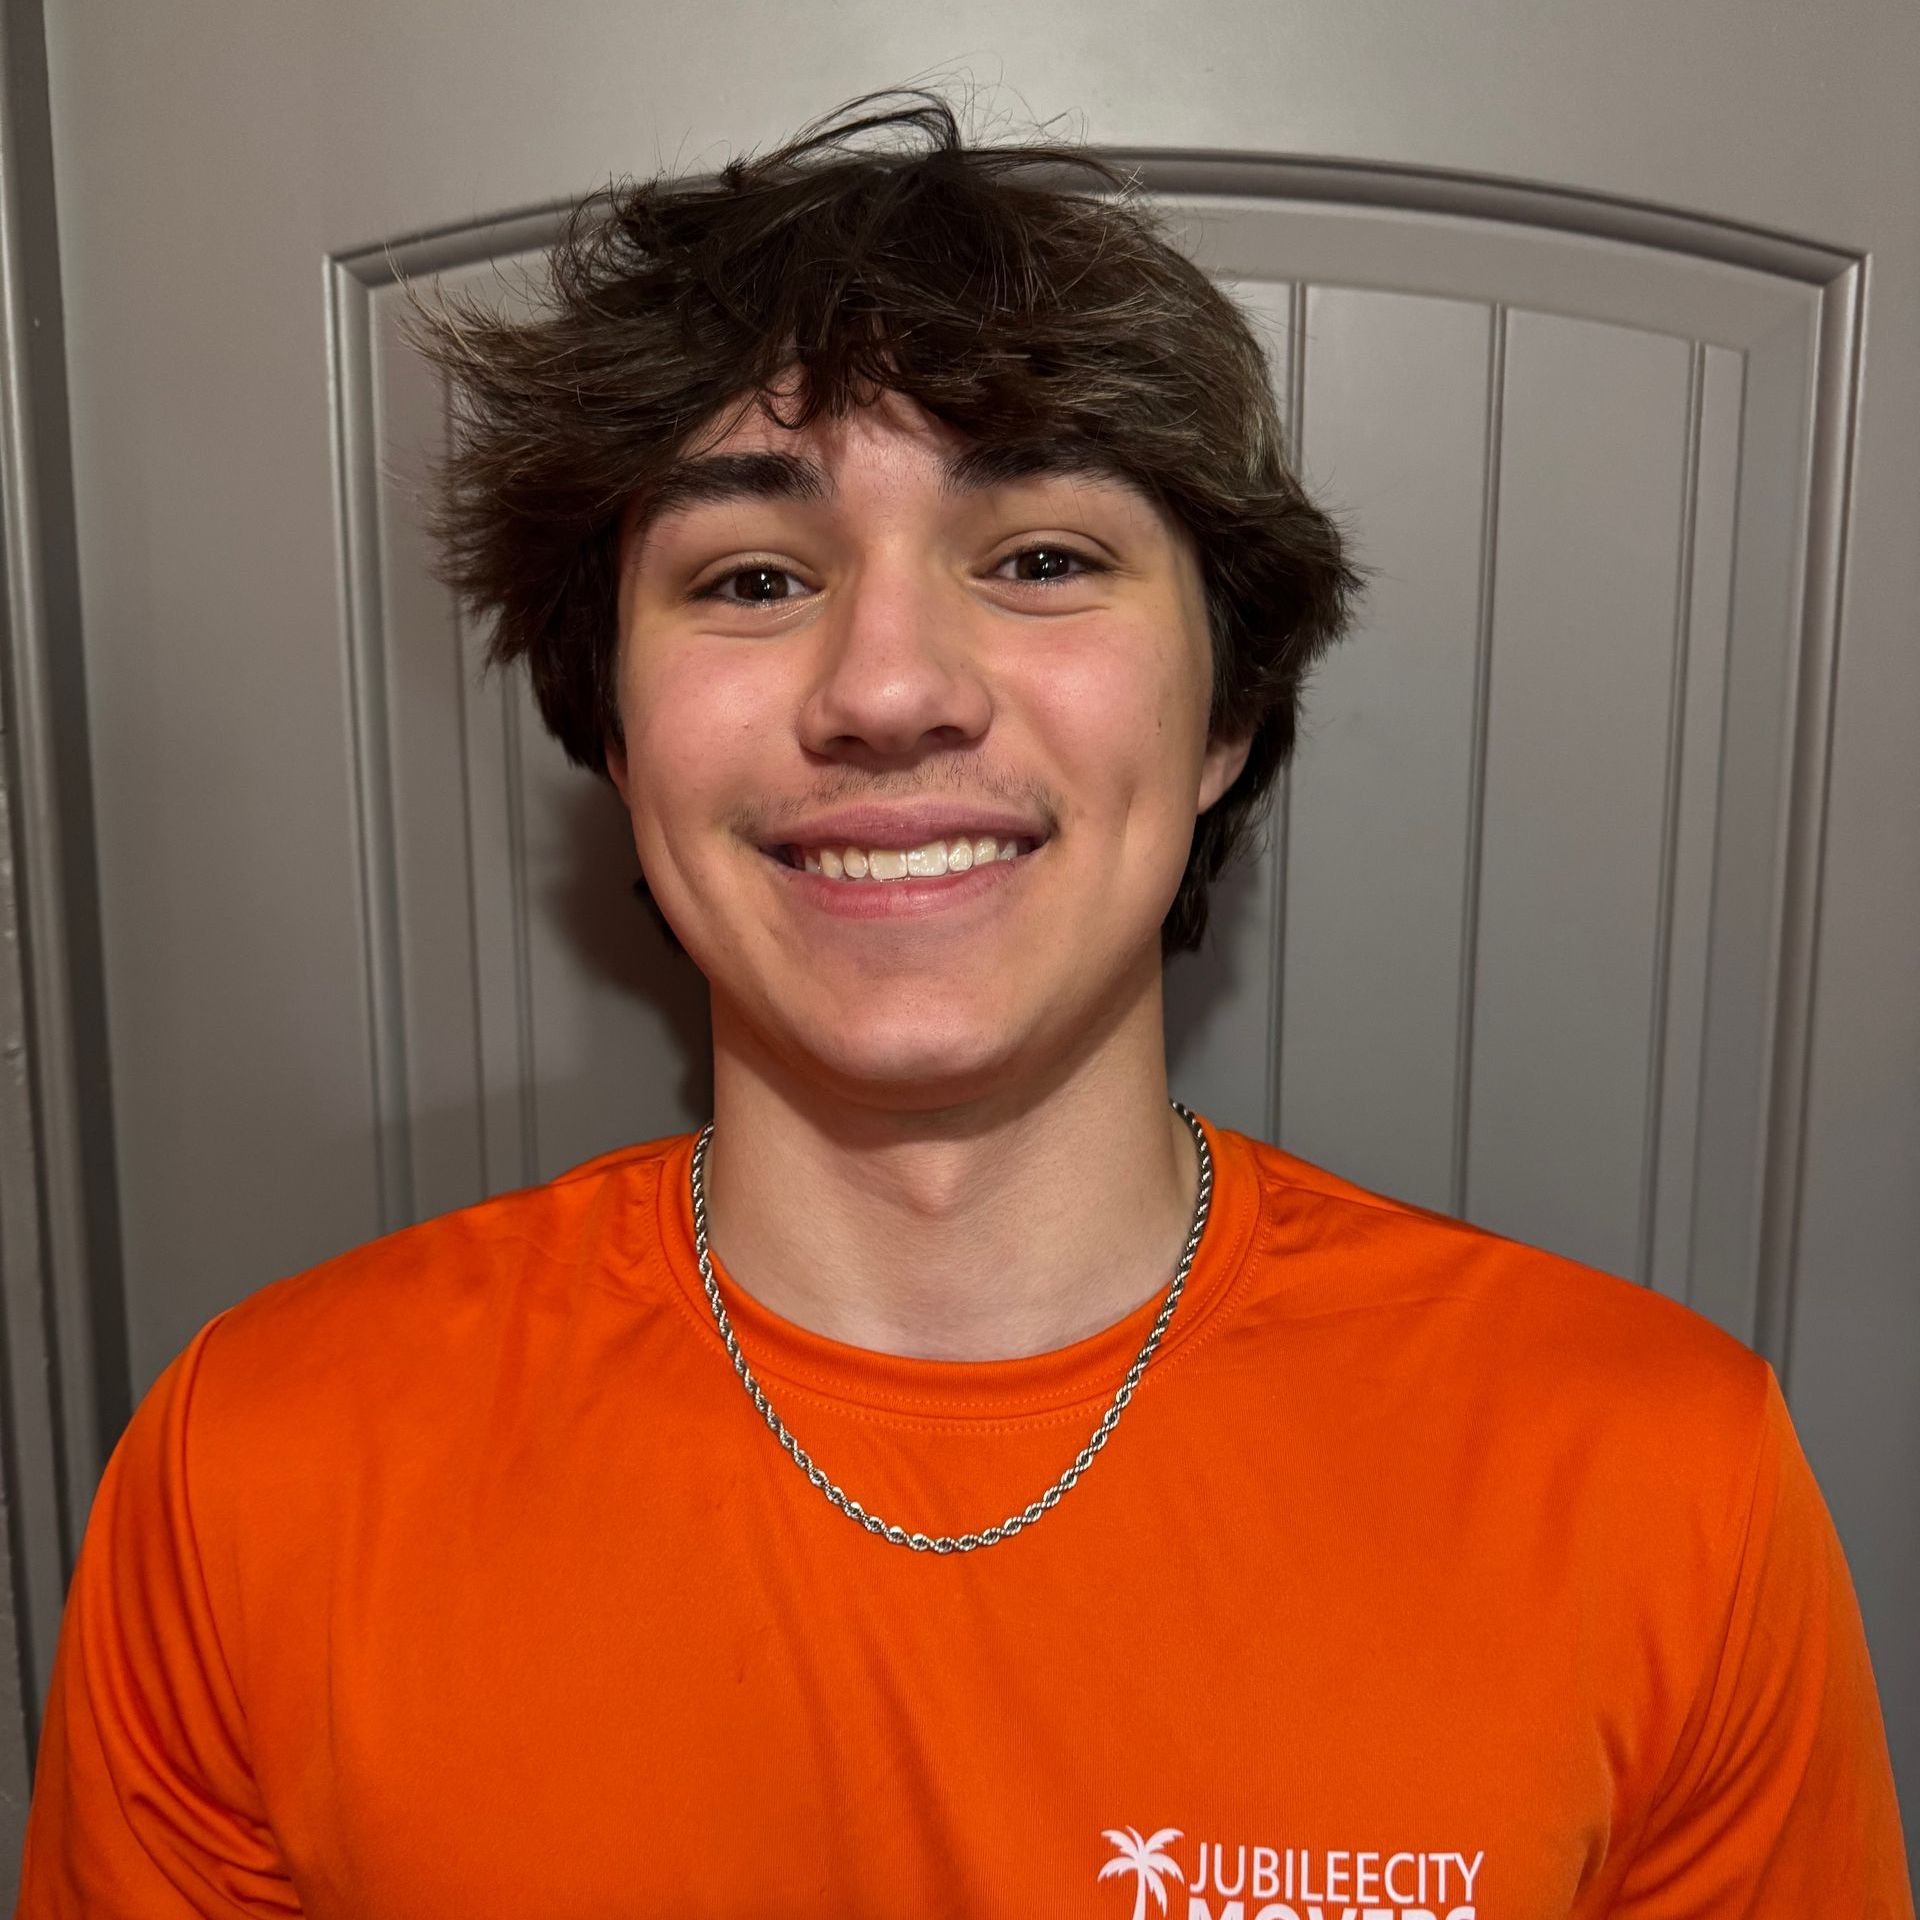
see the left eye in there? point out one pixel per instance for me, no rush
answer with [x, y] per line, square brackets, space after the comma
[758, 586]
[1039, 566]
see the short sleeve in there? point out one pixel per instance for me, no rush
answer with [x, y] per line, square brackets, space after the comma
[1780, 1799]
[144, 1803]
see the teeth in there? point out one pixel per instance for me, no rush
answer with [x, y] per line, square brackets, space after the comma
[922, 863]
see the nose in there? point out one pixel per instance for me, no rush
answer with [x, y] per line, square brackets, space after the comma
[898, 674]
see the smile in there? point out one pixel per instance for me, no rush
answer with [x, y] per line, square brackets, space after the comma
[864, 865]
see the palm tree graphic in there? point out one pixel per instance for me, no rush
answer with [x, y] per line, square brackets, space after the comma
[1144, 1860]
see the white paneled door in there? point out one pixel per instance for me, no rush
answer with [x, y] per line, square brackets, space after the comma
[1590, 906]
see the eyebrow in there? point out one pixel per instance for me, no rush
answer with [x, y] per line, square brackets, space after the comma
[706, 479]
[720, 478]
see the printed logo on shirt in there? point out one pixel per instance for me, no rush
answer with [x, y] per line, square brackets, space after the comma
[1240, 1882]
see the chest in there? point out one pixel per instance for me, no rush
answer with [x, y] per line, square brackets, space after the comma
[711, 1708]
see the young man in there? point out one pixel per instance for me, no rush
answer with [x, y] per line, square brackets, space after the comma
[957, 1481]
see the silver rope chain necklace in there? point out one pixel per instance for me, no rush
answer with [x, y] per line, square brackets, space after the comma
[1014, 1523]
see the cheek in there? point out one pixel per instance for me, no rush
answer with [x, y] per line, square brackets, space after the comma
[694, 724]
[1123, 711]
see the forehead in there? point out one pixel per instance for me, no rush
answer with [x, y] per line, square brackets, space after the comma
[892, 443]
[890, 423]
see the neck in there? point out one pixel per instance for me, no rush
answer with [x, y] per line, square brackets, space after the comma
[1010, 1223]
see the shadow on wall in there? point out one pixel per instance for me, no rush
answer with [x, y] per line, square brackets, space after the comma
[1205, 990]
[623, 951]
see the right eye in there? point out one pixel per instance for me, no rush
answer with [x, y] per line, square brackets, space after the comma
[751, 587]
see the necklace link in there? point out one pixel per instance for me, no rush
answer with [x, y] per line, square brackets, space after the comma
[1044, 1503]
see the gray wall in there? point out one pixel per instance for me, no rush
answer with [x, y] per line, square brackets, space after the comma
[60, 1278]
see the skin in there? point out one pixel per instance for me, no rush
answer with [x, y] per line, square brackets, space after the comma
[944, 1134]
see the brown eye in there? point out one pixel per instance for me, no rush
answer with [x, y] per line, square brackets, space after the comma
[753, 586]
[1040, 566]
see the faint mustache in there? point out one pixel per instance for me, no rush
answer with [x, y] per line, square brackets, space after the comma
[960, 782]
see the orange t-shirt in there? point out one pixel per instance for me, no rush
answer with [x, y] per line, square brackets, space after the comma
[1428, 1576]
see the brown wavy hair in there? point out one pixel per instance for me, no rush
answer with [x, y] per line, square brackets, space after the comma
[1026, 294]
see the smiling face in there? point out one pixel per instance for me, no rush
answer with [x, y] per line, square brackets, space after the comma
[871, 645]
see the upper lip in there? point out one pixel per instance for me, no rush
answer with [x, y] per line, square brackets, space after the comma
[908, 826]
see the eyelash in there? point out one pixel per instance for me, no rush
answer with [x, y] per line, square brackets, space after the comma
[1084, 561]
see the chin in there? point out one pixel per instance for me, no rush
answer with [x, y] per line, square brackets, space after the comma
[907, 1063]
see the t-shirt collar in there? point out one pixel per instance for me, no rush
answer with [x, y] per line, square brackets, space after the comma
[1087, 1370]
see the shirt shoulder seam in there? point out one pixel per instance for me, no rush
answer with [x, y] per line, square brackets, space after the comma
[1699, 1708]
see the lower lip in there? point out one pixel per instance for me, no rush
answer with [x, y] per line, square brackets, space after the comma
[909, 899]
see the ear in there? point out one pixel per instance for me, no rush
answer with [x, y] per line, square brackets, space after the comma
[616, 759]
[1226, 755]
